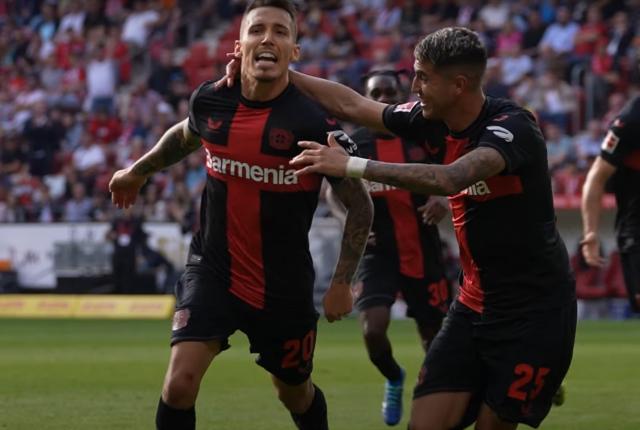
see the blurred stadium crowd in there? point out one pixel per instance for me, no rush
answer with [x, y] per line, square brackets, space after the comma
[90, 85]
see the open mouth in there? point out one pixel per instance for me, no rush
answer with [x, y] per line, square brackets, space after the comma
[266, 58]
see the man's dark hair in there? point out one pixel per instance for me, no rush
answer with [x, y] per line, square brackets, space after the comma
[454, 47]
[395, 74]
[286, 5]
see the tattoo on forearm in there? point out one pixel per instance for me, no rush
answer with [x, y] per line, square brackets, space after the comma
[172, 147]
[356, 229]
[434, 179]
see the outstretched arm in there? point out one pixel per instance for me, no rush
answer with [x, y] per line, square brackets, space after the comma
[332, 160]
[592, 192]
[341, 101]
[338, 301]
[175, 144]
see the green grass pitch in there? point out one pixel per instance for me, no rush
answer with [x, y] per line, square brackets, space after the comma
[74, 374]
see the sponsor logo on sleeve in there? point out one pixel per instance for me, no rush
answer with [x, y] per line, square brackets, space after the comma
[501, 132]
[406, 107]
[610, 142]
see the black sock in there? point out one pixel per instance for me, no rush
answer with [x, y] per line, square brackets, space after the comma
[168, 418]
[386, 364]
[315, 418]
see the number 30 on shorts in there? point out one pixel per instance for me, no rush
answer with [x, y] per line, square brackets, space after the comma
[526, 373]
[299, 350]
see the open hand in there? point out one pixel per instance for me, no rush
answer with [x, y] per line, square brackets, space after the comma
[328, 160]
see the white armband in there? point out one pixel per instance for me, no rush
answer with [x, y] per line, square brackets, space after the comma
[356, 167]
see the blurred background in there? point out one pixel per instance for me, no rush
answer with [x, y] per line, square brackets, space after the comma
[89, 86]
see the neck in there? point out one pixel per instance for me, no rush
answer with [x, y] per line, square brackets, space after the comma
[257, 91]
[465, 112]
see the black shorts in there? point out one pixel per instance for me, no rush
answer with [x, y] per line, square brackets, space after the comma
[379, 283]
[514, 365]
[631, 271]
[205, 311]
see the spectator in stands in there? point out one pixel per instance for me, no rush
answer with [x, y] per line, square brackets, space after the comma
[314, 44]
[535, 29]
[139, 24]
[588, 144]
[560, 36]
[88, 159]
[44, 136]
[558, 100]
[12, 156]
[388, 18]
[102, 79]
[515, 65]
[78, 209]
[495, 14]
[560, 148]
[591, 33]
[127, 237]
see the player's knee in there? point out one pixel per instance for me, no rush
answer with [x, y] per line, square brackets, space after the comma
[296, 399]
[180, 390]
[374, 335]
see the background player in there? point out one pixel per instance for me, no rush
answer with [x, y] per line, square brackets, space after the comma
[508, 338]
[249, 266]
[619, 160]
[403, 254]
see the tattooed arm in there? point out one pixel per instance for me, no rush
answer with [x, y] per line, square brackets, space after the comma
[479, 164]
[338, 300]
[175, 144]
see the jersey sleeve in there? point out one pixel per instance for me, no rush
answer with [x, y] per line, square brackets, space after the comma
[193, 106]
[618, 141]
[403, 119]
[516, 137]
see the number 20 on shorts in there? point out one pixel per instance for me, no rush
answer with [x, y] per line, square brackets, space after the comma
[299, 350]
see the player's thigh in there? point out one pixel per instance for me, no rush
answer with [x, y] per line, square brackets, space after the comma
[191, 359]
[205, 310]
[375, 320]
[489, 420]
[285, 347]
[526, 362]
[452, 363]
[439, 411]
[378, 282]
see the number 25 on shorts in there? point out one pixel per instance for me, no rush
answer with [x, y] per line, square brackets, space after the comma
[525, 373]
[299, 350]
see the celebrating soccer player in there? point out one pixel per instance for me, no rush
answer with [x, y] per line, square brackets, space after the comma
[507, 342]
[403, 254]
[249, 267]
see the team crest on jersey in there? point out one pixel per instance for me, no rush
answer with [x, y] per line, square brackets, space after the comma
[280, 139]
[213, 124]
[180, 319]
[406, 107]
[610, 142]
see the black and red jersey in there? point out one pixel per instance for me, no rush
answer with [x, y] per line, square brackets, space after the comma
[256, 214]
[400, 233]
[512, 257]
[621, 147]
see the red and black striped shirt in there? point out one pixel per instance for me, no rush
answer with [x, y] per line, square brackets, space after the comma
[513, 259]
[256, 214]
[400, 234]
